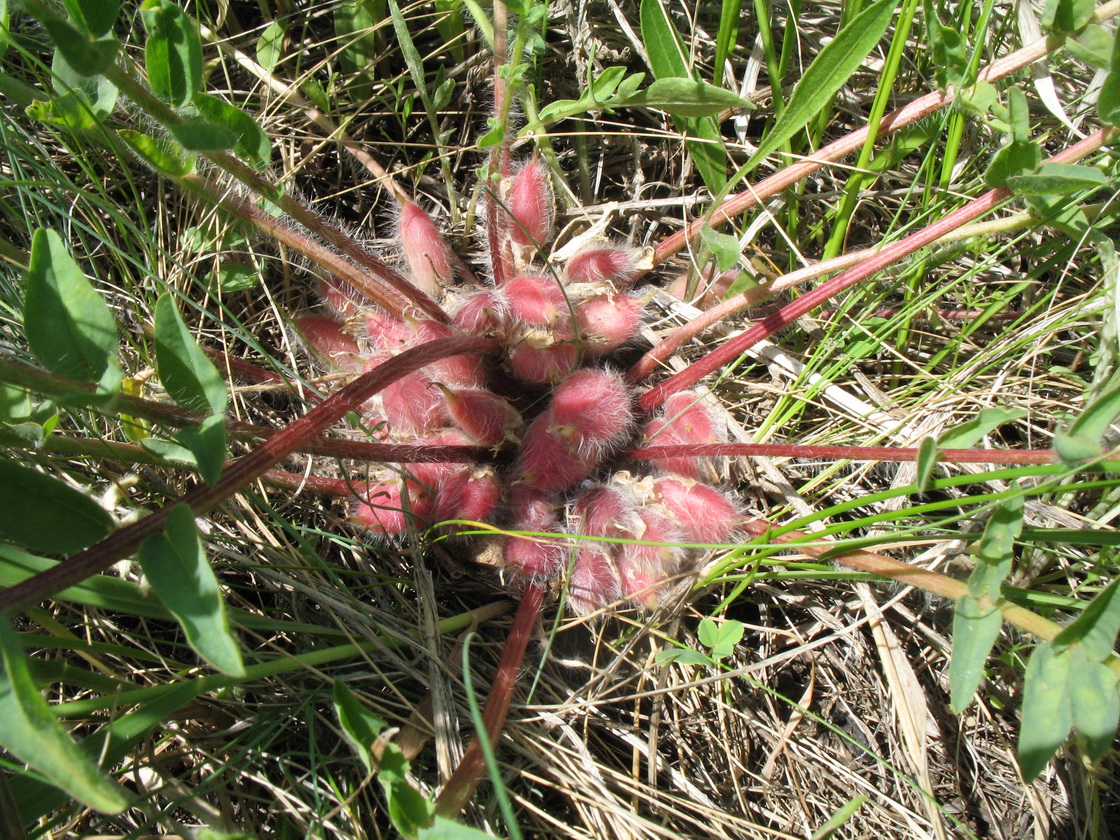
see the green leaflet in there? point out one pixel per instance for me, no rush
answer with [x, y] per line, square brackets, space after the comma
[175, 564]
[43, 514]
[30, 732]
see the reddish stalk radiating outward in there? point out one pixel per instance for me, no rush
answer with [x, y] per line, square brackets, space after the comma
[124, 542]
[732, 349]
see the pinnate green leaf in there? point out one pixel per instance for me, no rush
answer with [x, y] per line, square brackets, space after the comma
[172, 52]
[975, 630]
[68, 325]
[1047, 713]
[829, 71]
[43, 514]
[188, 375]
[175, 564]
[30, 732]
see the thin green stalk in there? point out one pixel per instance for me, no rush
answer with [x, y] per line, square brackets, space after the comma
[858, 175]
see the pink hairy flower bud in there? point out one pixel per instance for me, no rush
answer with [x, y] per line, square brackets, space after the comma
[703, 513]
[381, 509]
[387, 332]
[685, 420]
[536, 300]
[600, 264]
[342, 297]
[483, 415]
[425, 249]
[542, 364]
[459, 492]
[606, 322]
[591, 408]
[594, 582]
[644, 569]
[328, 341]
[483, 312]
[530, 204]
[412, 404]
[604, 510]
[466, 371]
[538, 557]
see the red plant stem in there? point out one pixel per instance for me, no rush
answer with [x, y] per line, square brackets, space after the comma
[844, 453]
[890, 123]
[125, 541]
[467, 775]
[497, 222]
[175, 416]
[732, 349]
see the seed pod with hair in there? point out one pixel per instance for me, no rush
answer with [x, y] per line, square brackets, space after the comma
[482, 312]
[425, 249]
[601, 264]
[704, 514]
[607, 322]
[381, 509]
[530, 204]
[413, 404]
[329, 342]
[594, 582]
[644, 570]
[684, 420]
[486, 417]
[534, 557]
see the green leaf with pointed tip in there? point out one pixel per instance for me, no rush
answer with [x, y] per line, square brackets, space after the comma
[926, 461]
[968, 434]
[43, 514]
[188, 375]
[1075, 450]
[684, 98]
[162, 154]
[172, 52]
[97, 93]
[359, 725]
[1108, 98]
[829, 72]
[996, 548]
[724, 247]
[207, 442]
[30, 732]
[1066, 15]
[1096, 628]
[1093, 423]
[1095, 701]
[94, 17]
[1013, 159]
[87, 55]
[68, 325]
[1057, 179]
[250, 140]
[198, 135]
[950, 58]
[270, 45]
[1047, 713]
[974, 633]
[667, 54]
[175, 564]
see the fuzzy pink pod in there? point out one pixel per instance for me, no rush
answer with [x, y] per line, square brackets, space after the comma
[463, 492]
[387, 332]
[542, 364]
[604, 510]
[326, 338]
[424, 248]
[342, 297]
[413, 404]
[548, 461]
[534, 510]
[381, 509]
[592, 409]
[600, 264]
[594, 582]
[530, 204]
[644, 569]
[486, 417]
[466, 371]
[684, 420]
[606, 322]
[536, 300]
[704, 514]
[482, 312]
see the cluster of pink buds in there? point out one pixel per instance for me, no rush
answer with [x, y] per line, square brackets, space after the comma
[612, 536]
